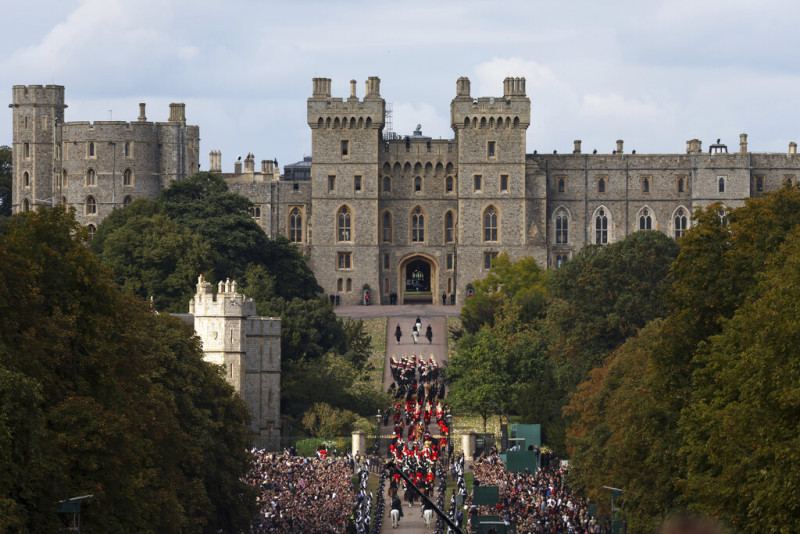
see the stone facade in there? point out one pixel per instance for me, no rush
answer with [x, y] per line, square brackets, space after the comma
[376, 210]
[93, 167]
[247, 347]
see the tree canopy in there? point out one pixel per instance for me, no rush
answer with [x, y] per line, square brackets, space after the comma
[5, 180]
[100, 395]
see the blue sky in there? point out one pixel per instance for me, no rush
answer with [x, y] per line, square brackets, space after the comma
[652, 73]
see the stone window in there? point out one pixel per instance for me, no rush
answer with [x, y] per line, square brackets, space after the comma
[386, 224]
[91, 177]
[295, 186]
[418, 184]
[681, 184]
[339, 284]
[127, 177]
[92, 229]
[449, 262]
[504, 183]
[490, 225]
[601, 227]
[681, 222]
[723, 217]
[601, 185]
[490, 151]
[721, 184]
[296, 225]
[343, 224]
[127, 149]
[345, 148]
[64, 179]
[488, 260]
[344, 260]
[646, 184]
[417, 225]
[448, 184]
[26, 206]
[357, 183]
[449, 285]
[386, 265]
[560, 259]
[255, 212]
[25, 122]
[759, 184]
[562, 227]
[385, 286]
[788, 180]
[387, 184]
[562, 185]
[449, 227]
[476, 182]
[26, 179]
[645, 220]
[91, 205]
[331, 183]
[349, 285]
[91, 150]
[127, 201]
[27, 150]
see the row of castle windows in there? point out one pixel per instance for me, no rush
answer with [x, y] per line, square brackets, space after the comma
[91, 178]
[344, 122]
[90, 204]
[500, 122]
[449, 183]
[602, 224]
[491, 225]
[561, 184]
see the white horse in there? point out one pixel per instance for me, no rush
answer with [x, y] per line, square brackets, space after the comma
[395, 518]
[427, 515]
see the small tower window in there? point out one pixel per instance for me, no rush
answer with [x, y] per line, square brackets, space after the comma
[127, 149]
[387, 184]
[127, 201]
[26, 206]
[91, 150]
[26, 179]
[331, 183]
[449, 228]
[418, 184]
[387, 227]
[681, 185]
[490, 224]
[92, 229]
[562, 227]
[721, 184]
[645, 185]
[561, 185]
[295, 226]
[504, 182]
[357, 183]
[491, 149]
[349, 285]
[91, 205]
[759, 184]
[127, 177]
[476, 182]
[345, 148]
[27, 148]
[91, 177]
[601, 185]
[448, 184]
[601, 228]
[417, 226]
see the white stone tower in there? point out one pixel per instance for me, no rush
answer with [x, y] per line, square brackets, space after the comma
[247, 347]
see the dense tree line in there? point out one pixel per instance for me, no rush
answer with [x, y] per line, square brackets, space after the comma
[158, 248]
[668, 372]
[100, 395]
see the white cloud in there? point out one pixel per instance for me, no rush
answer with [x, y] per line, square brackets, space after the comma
[615, 105]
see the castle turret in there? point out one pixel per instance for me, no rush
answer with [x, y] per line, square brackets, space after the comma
[38, 113]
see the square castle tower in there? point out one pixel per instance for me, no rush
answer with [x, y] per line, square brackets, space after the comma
[247, 347]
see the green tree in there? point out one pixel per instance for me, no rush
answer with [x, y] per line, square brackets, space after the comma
[5, 180]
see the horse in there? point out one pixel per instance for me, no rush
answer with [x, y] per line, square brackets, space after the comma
[427, 515]
[395, 518]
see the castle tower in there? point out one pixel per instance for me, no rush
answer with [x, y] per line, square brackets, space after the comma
[38, 113]
[345, 137]
[491, 135]
[247, 347]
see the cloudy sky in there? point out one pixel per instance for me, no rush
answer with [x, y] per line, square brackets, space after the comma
[652, 73]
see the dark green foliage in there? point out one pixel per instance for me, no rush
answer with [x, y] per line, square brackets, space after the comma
[100, 395]
[5, 181]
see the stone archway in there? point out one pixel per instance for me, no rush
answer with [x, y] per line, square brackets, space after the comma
[418, 282]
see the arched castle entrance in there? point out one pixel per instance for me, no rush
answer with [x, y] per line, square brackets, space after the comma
[419, 279]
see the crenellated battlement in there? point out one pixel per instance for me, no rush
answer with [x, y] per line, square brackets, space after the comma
[325, 111]
[226, 303]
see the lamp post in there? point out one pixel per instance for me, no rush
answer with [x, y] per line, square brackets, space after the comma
[616, 493]
[376, 447]
[449, 419]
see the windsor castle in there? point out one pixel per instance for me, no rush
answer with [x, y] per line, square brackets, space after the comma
[408, 215]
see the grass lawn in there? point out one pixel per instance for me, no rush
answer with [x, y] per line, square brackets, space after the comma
[376, 328]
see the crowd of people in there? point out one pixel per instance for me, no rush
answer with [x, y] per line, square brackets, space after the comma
[538, 502]
[310, 495]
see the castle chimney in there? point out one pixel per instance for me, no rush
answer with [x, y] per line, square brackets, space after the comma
[373, 87]
[353, 89]
[577, 149]
[743, 143]
[267, 166]
[177, 112]
[142, 116]
[322, 88]
[619, 146]
[792, 148]
[237, 167]
[250, 164]
[462, 87]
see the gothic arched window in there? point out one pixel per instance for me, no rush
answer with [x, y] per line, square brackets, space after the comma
[387, 184]
[343, 224]
[449, 227]
[91, 177]
[91, 205]
[645, 220]
[296, 226]
[448, 184]
[490, 224]
[601, 227]
[721, 183]
[127, 177]
[562, 227]
[681, 223]
[601, 185]
[127, 201]
[417, 225]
